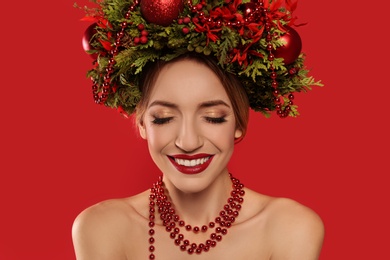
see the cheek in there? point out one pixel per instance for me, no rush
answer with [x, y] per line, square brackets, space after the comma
[158, 137]
[222, 136]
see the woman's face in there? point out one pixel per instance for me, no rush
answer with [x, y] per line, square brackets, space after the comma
[189, 125]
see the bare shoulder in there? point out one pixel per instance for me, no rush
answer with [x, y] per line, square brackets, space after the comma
[297, 231]
[98, 232]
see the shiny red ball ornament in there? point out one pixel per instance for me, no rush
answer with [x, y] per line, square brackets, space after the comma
[161, 12]
[86, 41]
[292, 47]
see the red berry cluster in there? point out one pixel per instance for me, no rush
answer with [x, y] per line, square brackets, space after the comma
[143, 38]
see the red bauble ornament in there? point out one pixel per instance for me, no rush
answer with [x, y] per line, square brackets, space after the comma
[292, 48]
[161, 12]
[89, 32]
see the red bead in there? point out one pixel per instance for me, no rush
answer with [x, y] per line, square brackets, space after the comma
[167, 214]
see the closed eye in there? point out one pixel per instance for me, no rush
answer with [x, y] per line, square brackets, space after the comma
[215, 120]
[161, 120]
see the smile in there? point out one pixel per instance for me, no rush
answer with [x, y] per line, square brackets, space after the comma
[191, 164]
[194, 162]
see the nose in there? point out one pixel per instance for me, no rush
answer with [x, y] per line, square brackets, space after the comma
[189, 137]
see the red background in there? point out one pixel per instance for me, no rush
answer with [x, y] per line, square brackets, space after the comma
[62, 153]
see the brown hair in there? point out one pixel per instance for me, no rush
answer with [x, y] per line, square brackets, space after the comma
[230, 82]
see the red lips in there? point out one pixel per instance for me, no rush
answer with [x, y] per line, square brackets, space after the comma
[198, 168]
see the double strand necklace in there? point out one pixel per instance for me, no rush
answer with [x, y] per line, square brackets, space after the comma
[158, 202]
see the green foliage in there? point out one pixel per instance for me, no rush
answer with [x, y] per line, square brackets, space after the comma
[236, 51]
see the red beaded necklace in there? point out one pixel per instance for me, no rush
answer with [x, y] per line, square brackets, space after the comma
[173, 223]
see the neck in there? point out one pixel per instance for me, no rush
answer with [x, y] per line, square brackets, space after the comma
[201, 207]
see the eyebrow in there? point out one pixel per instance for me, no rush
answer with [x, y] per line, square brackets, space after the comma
[162, 103]
[213, 103]
[205, 104]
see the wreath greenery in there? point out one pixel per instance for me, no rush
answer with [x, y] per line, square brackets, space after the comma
[244, 36]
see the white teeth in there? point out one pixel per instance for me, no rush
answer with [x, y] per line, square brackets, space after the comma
[194, 162]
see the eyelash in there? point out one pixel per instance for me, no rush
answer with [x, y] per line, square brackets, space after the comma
[165, 120]
[161, 120]
[216, 120]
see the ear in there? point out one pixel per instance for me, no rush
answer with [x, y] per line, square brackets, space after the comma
[142, 130]
[238, 133]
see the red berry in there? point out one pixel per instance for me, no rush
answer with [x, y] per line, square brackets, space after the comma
[186, 20]
[185, 30]
[141, 27]
[143, 39]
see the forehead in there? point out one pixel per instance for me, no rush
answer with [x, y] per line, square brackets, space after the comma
[187, 82]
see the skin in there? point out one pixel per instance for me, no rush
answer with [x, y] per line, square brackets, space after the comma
[190, 113]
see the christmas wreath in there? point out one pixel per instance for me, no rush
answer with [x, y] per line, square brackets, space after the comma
[252, 39]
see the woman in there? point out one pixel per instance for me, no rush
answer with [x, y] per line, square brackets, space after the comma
[191, 113]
